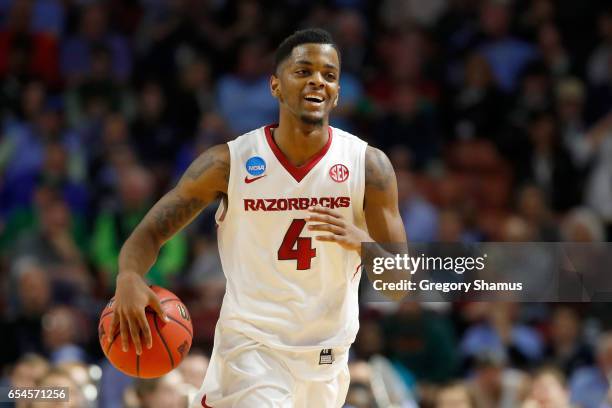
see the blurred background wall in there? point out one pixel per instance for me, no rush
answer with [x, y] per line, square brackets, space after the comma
[495, 114]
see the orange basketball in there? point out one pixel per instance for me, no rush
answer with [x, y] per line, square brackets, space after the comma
[171, 340]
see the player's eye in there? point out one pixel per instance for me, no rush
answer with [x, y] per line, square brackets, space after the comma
[331, 77]
[302, 72]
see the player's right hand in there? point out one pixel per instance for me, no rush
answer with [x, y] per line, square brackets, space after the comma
[132, 296]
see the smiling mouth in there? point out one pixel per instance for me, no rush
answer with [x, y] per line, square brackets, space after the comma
[314, 99]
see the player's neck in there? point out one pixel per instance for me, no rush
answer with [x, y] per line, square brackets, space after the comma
[298, 141]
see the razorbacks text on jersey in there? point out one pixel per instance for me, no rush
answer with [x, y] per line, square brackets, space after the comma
[284, 288]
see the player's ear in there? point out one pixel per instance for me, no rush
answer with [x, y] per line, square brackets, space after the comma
[275, 86]
[337, 97]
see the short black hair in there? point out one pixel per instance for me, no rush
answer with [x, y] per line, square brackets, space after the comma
[307, 36]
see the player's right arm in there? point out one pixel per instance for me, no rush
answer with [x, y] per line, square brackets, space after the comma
[205, 180]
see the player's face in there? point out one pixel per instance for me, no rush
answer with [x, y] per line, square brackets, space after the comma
[306, 83]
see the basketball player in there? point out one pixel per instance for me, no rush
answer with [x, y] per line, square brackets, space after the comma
[298, 199]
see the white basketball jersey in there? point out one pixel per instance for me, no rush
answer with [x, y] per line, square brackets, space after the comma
[284, 288]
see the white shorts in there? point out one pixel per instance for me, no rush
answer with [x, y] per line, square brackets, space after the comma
[243, 373]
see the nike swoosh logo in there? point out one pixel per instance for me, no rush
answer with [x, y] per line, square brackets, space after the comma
[250, 180]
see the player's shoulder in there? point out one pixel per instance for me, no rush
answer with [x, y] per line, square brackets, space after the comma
[346, 136]
[376, 158]
[378, 168]
[215, 156]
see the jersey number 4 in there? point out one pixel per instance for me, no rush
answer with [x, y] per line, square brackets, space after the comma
[296, 247]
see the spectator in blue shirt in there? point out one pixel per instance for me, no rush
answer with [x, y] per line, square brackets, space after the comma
[244, 96]
[76, 53]
[502, 334]
[506, 55]
[589, 385]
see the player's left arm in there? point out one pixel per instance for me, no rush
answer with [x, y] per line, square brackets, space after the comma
[381, 206]
[382, 215]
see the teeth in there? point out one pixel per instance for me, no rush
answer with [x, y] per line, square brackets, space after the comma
[315, 98]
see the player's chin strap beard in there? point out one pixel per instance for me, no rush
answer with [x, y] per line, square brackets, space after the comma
[312, 122]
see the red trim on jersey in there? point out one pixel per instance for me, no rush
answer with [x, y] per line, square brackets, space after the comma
[204, 402]
[356, 271]
[223, 213]
[298, 172]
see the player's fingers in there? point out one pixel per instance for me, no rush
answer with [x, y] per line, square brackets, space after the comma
[123, 332]
[328, 238]
[135, 333]
[145, 329]
[111, 328]
[157, 307]
[327, 227]
[324, 210]
[327, 219]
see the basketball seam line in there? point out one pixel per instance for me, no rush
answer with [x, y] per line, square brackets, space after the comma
[106, 314]
[175, 320]
[164, 342]
[182, 325]
[112, 341]
[137, 365]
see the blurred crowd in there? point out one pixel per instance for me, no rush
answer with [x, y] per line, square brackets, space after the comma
[496, 115]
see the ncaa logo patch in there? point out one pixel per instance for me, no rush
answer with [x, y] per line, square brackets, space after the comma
[255, 166]
[339, 173]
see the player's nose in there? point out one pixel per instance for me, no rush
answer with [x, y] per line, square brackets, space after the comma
[316, 79]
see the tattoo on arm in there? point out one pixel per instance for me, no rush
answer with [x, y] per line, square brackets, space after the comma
[379, 171]
[208, 160]
[173, 215]
[201, 183]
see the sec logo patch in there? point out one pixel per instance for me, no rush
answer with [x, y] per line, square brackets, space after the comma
[339, 173]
